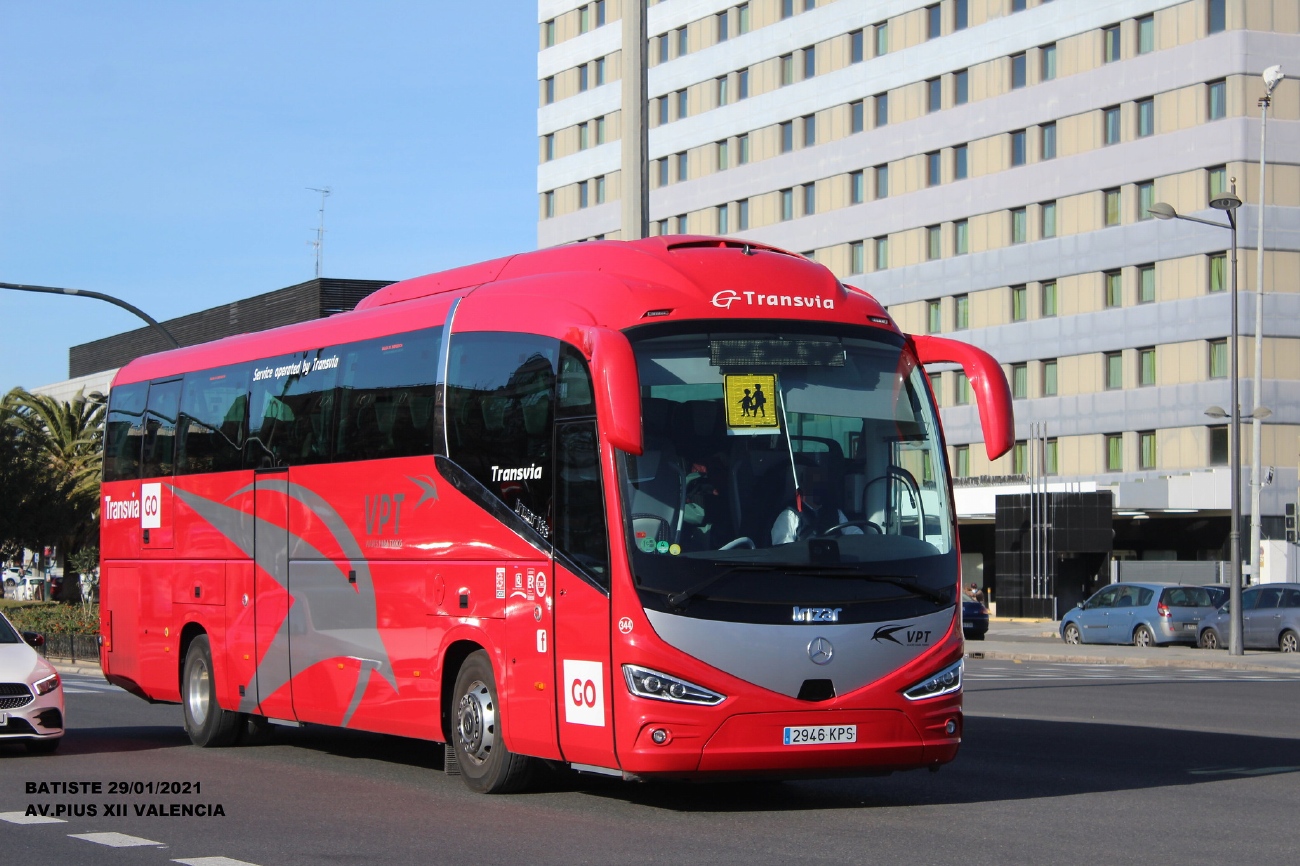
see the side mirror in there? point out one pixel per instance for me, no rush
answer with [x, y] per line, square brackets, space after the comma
[618, 388]
[34, 640]
[987, 382]
[1081, 606]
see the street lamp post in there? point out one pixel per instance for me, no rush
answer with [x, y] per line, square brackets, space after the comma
[99, 296]
[1228, 202]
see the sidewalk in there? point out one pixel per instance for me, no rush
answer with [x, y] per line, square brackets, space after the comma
[1038, 641]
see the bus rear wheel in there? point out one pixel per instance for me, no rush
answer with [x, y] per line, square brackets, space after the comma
[205, 721]
[486, 765]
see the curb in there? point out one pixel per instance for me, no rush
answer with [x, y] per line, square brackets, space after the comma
[1125, 661]
[67, 667]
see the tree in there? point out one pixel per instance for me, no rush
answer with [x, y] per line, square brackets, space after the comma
[33, 497]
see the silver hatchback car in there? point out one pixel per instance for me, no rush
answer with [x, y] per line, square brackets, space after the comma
[1143, 614]
[1270, 619]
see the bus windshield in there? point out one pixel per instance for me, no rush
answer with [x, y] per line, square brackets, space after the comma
[784, 469]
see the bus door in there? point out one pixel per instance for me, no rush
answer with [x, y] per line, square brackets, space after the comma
[581, 593]
[274, 694]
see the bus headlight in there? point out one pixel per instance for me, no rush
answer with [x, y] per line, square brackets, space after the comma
[945, 682]
[647, 683]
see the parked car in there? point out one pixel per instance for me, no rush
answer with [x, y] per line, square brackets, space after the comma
[1270, 619]
[1143, 614]
[1218, 592]
[974, 620]
[31, 692]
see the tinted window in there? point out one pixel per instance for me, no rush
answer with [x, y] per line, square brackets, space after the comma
[1248, 599]
[1105, 598]
[500, 416]
[580, 530]
[1186, 596]
[124, 432]
[213, 420]
[160, 429]
[1268, 598]
[270, 417]
[574, 396]
[388, 395]
[1291, 598]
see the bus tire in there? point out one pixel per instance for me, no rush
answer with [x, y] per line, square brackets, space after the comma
[486, 765]
[205, 721]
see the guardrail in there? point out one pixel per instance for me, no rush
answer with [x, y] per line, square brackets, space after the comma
[72, 647]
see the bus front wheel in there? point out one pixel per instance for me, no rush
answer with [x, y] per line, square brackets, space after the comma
[486, 765]
[205, 721]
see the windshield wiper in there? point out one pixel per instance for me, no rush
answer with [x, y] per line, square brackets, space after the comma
[679, 600]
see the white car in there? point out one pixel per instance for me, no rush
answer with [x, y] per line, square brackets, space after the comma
[31, 693]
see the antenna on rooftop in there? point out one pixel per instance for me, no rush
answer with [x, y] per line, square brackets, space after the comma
[319, 243]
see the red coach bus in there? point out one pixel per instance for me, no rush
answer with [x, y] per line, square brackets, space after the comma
[673, 508]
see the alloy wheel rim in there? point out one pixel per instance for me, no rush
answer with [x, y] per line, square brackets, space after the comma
[476, 722]
[196, 697]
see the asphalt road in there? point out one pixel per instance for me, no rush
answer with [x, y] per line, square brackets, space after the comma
[1062, 763]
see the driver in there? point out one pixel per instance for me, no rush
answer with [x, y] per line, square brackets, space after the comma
[810, 515]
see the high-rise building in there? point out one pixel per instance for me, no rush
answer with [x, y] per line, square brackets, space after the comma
[985, 169]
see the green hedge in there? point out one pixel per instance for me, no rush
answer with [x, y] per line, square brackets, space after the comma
[50, 617]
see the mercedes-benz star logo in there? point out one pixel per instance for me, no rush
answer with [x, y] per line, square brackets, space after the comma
[820, 651]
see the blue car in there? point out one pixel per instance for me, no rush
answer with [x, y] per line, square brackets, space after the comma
[1141, 614]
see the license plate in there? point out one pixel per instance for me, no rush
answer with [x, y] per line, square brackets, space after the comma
[1189, 626]
[820, 735]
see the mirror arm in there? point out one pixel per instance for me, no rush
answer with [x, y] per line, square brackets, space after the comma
[987, 382]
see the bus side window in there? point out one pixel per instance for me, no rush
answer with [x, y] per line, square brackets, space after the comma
[387, 396]
[581, 529]
[160, 429]
[270, 418]
[213, 420]
[124, 432]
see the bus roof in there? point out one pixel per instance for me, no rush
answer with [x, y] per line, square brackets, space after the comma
[615, 284]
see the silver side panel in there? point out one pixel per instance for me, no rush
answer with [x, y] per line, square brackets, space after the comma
[777, 657]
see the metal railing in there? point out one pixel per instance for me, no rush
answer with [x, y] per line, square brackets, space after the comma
[71, 647]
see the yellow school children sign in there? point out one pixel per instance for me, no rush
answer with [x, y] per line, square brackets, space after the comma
[751, 402]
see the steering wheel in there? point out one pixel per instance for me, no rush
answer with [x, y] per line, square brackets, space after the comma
[866, 523]
[743, 541]
[909, 483]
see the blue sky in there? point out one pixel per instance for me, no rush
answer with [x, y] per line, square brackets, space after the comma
[161, 152]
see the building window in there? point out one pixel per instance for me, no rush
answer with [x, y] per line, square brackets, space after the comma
[857, 188]
[932, 172]
[857, 258]
[787, 205]
[787, 136]
[583, 136]
[809, 130]
[1218, 272]
[809, 199]
[882, 38]
[582, 194]
[1019, 225]
[1146, 34]
[933, 318]
[742, 12]
[1048, 211]
[933, 30]
[1146, 198]
[787, 69]
[683, 45]
[722, 219]
[1218, 446]
[1146, 284]
[742, 84]
[882, 181]
[1047, 62]
[1018, 147]
[1146, 117]
[600, 189]
[1018, 5]
[1020, 458]
[962, 309]
[664, 42]
[582, 78]
[1051, 457]
[584, 19]
[1049, 378]
[960, 163]
[549, 30]
[933, 95]
[882, 109]
[787, 8]
[682, 166]
[1110, 44]
[933, 250]
[961, 86]
[961, 15]
[681, 224]
[857, 45]
[1218, 180]
[600, 13]
[722, 26]
[1048, 298]
[961, 461]
[663, 171]
[1110, 125]
[548, 204]
[1218, 359]
[722, 91]
[1147, 449]
[1216, 14]
[1218, 93]
[1114, 289]
[1019, 381]
[600, 130]
[1114, 370]
[683, 105]
[724, 157]
[742, 214]
[1147, 366]
[1112, 207]
[549, 147]
[962, 395]
[662, 103]
[1114, 452]
[857, 116]
[1019, 303]
[1049, 140]
[809, 62]
[1018, 77]
[882, 253]
[548, 87]
[961, 237]
[742, 146]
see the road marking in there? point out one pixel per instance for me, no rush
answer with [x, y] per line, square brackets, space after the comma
[213, 861]
[24, 818]
[114, 840]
